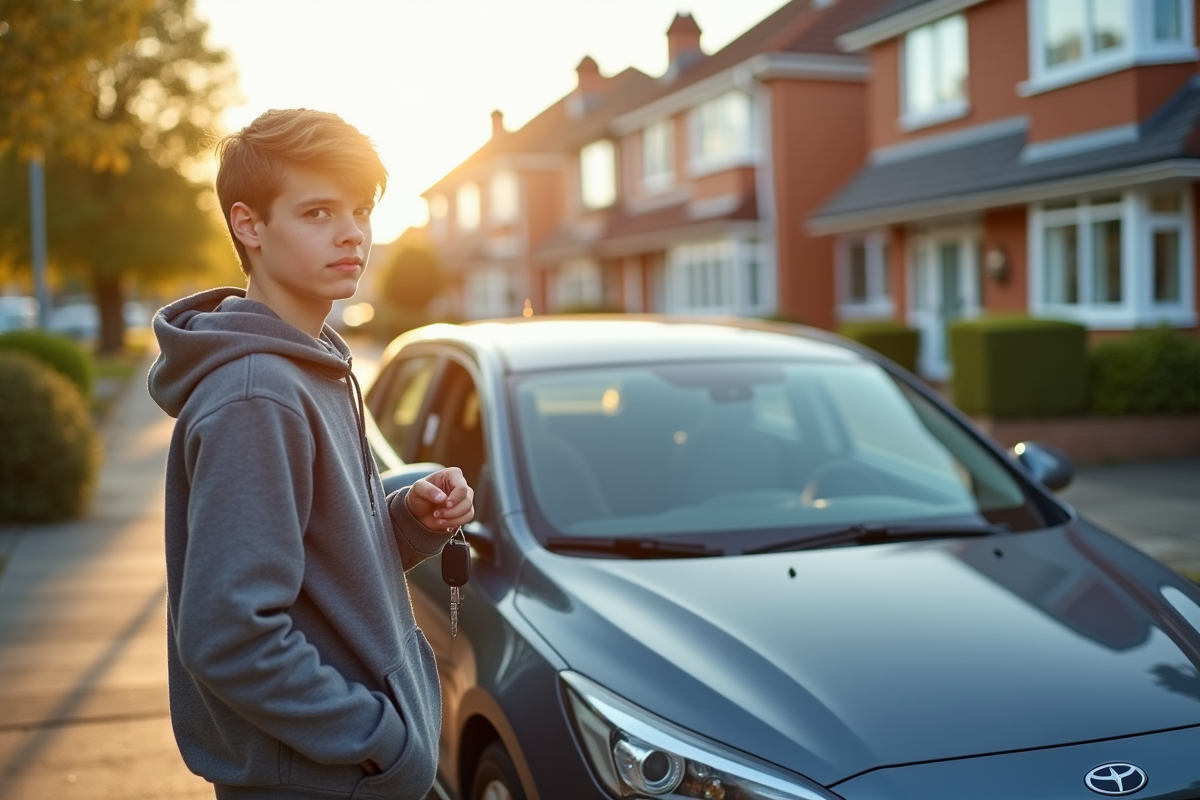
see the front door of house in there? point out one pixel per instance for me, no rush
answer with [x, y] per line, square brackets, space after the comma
[945, 289]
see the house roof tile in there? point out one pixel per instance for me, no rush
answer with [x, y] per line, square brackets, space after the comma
[913, 185]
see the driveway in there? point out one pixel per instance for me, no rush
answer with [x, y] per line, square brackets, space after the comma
[1153, 505]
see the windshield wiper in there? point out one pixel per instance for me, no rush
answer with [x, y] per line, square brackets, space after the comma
[631, 547]
[879, 534]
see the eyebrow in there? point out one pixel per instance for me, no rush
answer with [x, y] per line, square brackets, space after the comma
[329, 201]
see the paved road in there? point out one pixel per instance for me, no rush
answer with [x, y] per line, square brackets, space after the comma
[1154, 505]
[83, 704]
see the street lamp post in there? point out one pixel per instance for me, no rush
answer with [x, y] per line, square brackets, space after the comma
[37, 215]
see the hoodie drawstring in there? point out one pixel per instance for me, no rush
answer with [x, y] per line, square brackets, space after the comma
[360, 416]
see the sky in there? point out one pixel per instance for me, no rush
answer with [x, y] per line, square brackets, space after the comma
[421, 77]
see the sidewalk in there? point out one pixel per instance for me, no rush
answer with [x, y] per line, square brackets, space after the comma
[1153, 505]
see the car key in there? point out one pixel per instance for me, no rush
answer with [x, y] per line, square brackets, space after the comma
[456, 571]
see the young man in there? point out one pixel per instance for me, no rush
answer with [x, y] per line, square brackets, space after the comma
[296, 668]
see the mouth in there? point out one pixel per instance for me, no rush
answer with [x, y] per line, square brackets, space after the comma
[348, 264]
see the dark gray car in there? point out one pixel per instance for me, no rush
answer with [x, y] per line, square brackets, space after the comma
[741, 561]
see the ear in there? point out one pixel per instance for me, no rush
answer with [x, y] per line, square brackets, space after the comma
[243, 221]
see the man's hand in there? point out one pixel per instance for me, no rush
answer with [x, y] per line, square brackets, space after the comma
[442, 501]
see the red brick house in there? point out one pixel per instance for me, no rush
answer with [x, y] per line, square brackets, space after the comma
[1035, 156]
[687, 193]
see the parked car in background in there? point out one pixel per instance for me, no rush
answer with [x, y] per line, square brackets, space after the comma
[78, 317]
[753, 561]
[18, 313]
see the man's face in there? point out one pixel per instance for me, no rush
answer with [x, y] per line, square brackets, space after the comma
[315, 247]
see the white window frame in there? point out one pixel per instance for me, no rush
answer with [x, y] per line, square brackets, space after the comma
[1140, 48]
[504, 198]
[946, 111]
[662, 179]
[880, 302]
[488, 294]
[596, 159]
[578, 283]
[720, 277]
[1137, 306]
[742, 153]
[467, 210]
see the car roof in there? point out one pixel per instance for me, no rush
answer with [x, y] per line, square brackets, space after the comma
[550, 343]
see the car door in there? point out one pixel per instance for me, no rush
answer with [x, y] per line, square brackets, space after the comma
[451, 434]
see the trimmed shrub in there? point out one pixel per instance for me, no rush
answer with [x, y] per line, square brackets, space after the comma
[891, 339]
[59, 352]
[1008, 367]
[1146, 372]
[49, 452]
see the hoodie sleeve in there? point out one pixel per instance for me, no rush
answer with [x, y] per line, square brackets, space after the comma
[244, 568]
[416, 542]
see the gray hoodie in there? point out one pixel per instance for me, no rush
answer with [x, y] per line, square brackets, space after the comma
[292, 649]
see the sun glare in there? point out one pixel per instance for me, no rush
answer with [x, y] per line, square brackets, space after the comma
[421, 79]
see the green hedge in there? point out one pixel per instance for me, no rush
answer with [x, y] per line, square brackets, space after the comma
[1008, 367]
[49, 452]
[893, 340]
[59, 352]
[1146, 372]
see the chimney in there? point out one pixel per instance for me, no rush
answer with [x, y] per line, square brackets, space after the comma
[683, 43]
[498, 124]
[590, 79]
[589, 89]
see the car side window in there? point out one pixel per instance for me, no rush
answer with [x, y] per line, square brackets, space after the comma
[400, 409]
[453, 430]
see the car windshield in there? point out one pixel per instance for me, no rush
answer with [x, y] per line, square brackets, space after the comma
[758, 451]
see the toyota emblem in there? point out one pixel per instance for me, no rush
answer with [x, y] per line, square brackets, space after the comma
[1115, 778]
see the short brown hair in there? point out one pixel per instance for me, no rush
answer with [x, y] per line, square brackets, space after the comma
[254, 161]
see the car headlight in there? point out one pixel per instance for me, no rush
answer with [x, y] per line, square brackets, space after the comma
[635, 754]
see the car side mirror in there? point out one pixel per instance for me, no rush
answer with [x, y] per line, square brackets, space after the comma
[1049, 464]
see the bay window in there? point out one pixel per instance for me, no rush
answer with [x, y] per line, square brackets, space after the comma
[598, 174]
[1114, 260]
[1073, 40]
[726, 276]
[935, 72]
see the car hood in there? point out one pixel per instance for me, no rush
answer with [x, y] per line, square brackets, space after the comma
[834, 662]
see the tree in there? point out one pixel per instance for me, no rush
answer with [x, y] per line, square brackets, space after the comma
[412, 278]
[49, 54]
[134, 213]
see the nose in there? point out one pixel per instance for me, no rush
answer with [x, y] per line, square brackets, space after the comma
[350, 232]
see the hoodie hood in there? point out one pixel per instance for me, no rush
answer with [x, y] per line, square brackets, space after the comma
[200, 333]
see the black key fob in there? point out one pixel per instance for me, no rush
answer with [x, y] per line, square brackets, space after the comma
[456, 562]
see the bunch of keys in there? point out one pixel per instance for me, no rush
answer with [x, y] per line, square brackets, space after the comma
[456, 571]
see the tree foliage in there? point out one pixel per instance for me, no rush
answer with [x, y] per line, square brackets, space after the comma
[51, 52]
[130, 211]
[412, 278]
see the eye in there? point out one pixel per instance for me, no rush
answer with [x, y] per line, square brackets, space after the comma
[317, 213]
[365, 211]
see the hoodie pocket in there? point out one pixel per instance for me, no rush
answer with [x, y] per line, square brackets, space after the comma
[418, 696]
